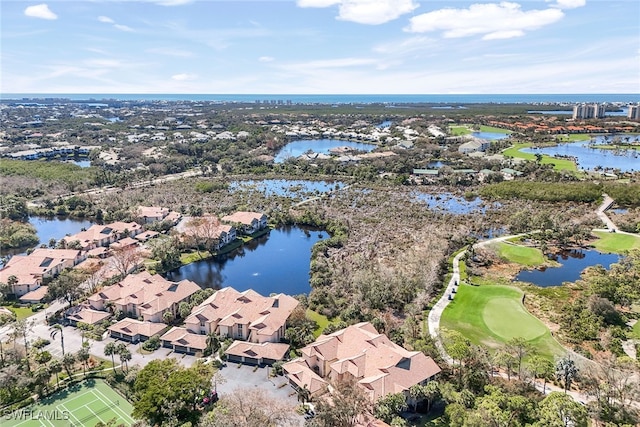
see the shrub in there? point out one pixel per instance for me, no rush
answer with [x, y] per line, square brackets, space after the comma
[152, 343]
[40, 343]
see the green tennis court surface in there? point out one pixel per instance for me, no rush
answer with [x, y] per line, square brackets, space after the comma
[83, 404]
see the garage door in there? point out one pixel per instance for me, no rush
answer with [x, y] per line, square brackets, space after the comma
[236, 359]
[250, 360]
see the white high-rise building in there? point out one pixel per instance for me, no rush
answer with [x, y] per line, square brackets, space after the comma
[588, 111]
[634, 112]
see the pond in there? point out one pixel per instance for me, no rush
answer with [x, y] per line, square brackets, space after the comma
[51, 228]
[295, 189]
[450, 203]
[590, 158]
[572, 264]
[323, 146]
[277, 262]
[490, 135]
[384, 124]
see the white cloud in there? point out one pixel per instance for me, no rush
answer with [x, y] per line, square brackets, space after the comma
[41, 11]
[106, 20]
[170, 2]
[123, 28]
[409, 45]
[569, 4]
[183, 77]
[491, 20]
[179, 53]
[266, 59]
[372, 12]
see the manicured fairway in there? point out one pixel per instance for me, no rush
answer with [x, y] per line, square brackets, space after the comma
[84, 404]
[558, 164]
[519, 254]
[493, 314]
[615, 242]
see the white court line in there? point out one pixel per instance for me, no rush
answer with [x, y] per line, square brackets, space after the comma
[70, 414]
[27, 421]
[83, 394]
[122, 412]
[94, 414]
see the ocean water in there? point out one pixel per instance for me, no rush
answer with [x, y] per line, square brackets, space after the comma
[342, 99]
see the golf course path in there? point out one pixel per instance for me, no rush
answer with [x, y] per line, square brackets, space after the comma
[436, 312]
[607, 202]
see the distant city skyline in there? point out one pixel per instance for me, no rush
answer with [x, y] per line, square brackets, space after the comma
[320, 47]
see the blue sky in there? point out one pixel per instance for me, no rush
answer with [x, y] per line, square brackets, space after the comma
[320, 46]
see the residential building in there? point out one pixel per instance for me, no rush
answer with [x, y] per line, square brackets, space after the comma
[149, 214]
[359, 353]
[208, 228]
[85, 314]
[135, 331]
[588, 111]
[250, 353]
[248, 222]
[475, 145]
[634, 112]
[246, 316]
[144, 296]
[103, 235]
[181, 340]
[29, 271]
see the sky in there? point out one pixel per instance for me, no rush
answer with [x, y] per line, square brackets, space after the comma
[320, 46]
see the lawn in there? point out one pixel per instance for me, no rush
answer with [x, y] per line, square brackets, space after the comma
[21, 312]
[83, 404]
[519, 254]
[491, 315]
[574, 137]
[491, 129]
[635, 331]
[321, 320]
[558, 164]
[615, 242]
[459, 130]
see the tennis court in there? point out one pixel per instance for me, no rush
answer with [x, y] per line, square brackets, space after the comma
[83, 404]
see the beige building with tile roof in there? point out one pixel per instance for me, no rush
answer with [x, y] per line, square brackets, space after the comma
[360, 353]
[249, 222]
[266, 353]
[247, 315]
[134, 330]
[144, 295]
[104, 235]
[42, 263]
[182, 340]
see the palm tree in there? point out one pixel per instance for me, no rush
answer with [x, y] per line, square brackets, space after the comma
[55, 367]
[83, 357]
[54, 331]
[125, 355]
[110, 350]
[68, 360]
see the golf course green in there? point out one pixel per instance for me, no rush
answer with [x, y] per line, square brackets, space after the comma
[491, 315]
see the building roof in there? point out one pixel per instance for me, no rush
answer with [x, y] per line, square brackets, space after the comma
[134, 327]
[245, 218]
[87, 315]
[35, 295]
[151, 212]
[299, 372]
[183, 337]
[379, 365]
[267, 350]
[151, 293]
[227, 307]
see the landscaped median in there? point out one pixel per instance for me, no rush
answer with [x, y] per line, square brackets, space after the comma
[491, 315]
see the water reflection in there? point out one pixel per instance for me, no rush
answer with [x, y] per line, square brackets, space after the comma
[572, 264]
[276, 262]
[285, 187]
[324, 146]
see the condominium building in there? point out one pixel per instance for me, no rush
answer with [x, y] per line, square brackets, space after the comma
[634, 112]
[588, 111]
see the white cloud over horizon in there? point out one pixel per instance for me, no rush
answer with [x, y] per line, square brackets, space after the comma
[490, 20]
[371, 12]
[183, 77]
[40, 11]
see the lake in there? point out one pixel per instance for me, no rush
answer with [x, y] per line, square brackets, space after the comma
[51, 228]
[572, 264]
[450, 203]
[590, 158]
[295, 189]
[490, 135]
[297, 148]
[277, 262]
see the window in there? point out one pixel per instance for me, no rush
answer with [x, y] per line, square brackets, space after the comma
[240, 330]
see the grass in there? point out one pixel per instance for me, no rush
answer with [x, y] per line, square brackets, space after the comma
[558, 164]
[574, 137]
[635, 331]
[83, 404]
[615, 242]
[459, 130]
[491, 129]
[519, 254]
[491, 315]
[322, 321]
[22, 312]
